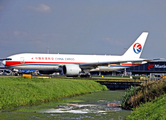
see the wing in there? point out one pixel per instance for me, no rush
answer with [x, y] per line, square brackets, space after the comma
[95, 65]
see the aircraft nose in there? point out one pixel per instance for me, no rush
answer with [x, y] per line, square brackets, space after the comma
[4, 62]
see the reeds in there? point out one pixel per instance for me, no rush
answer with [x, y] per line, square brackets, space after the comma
[149, 102]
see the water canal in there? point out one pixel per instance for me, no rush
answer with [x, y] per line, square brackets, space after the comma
[95, 106]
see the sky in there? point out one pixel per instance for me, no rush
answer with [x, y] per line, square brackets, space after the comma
[81, 26]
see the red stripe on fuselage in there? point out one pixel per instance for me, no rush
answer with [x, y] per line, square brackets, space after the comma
[13, 63]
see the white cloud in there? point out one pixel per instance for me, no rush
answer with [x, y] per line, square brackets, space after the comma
[40, 8]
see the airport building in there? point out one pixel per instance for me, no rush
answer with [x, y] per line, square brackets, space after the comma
[148, 68]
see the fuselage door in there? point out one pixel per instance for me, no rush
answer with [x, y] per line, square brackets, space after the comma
[22, 60]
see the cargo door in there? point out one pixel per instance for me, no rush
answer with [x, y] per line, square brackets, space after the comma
[22, 61]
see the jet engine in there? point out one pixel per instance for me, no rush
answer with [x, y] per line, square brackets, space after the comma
[71, 70]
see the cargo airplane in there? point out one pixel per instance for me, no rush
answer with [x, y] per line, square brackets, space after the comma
[74, 65]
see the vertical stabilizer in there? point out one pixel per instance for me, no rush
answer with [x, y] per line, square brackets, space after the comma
[136, 48]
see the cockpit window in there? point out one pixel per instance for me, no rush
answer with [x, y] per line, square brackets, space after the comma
[8, 59]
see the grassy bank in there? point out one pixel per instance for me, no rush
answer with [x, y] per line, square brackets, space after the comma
[149, 101]
[145, 93]
[22, 91]
[154, 110]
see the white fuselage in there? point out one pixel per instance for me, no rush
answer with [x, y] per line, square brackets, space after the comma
[31, 61]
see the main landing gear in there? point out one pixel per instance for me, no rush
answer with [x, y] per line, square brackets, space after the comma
[85, 75]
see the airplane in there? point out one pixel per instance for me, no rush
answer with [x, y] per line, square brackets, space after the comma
[74, 65]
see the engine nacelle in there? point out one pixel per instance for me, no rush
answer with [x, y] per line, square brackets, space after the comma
[71, 70]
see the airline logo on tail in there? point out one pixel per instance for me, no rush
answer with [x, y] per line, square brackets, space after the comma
[137, 48]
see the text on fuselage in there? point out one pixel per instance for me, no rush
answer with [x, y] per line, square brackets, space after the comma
[52, 58]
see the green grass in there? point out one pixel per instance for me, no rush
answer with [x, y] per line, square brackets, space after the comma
[154, 110]
[22, 91]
